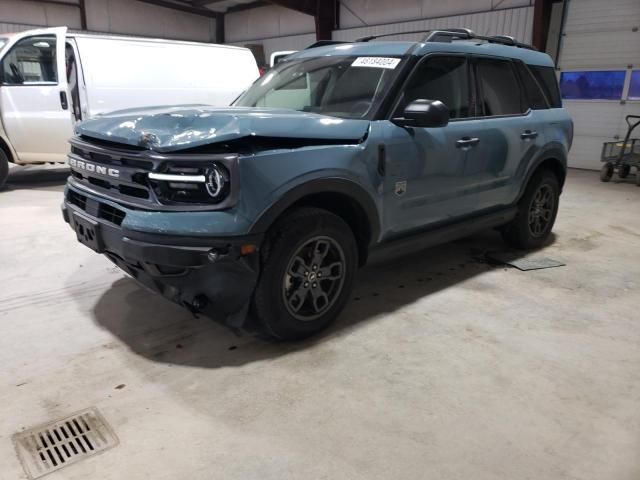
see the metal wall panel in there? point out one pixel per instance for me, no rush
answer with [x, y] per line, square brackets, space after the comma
[124, 17]
[15, 27]
[266, 23]
[516, 22]
[276, 44]
[359, 13]
[599, 36]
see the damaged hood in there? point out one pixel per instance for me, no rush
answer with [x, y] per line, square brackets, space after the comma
[166, 129]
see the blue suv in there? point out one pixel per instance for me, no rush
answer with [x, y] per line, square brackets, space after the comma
[340, 155]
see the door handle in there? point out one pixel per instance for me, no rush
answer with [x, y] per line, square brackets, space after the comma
[467, 142]
[63, 100]
[528, 134]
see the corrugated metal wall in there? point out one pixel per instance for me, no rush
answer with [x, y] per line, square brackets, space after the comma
[15, 27]
[599, 36]
[516, 22]
[123, 17]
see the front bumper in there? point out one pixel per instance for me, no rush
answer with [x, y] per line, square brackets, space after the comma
[211, 275]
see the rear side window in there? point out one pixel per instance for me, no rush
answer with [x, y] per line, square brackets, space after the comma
[441, 78]
[546, 77]
[533, 92]
[499, 88]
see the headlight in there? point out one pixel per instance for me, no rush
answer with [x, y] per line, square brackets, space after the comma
[204, 183]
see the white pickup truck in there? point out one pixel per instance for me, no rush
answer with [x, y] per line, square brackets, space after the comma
[50, 79]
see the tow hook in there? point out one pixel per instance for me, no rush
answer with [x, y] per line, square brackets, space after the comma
[197, 305]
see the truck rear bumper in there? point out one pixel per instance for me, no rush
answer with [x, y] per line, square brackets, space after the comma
[215, 276]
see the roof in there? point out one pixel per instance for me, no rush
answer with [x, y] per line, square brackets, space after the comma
[394, 48]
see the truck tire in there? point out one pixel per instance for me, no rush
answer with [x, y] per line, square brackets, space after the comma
[4, 168]
[537, 211]
[309, 263]
[606, 172]
[624, 170]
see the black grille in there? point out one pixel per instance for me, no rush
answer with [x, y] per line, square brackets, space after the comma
[121, 173]
[111, 214]
[93, 207]
[77, 199]
[117, 171]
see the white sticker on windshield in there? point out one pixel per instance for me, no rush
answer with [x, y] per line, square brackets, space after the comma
[376, 62]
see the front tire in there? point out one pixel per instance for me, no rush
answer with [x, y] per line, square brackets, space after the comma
[308, 271]
[4, 168]
[606, 172]
[537, 211]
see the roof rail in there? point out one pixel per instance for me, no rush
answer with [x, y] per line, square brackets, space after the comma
[451, 34]
[324, 43]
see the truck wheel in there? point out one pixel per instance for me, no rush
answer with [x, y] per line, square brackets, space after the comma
[537, 212]
[623, 171]
[4, 168]
[606, 172]
[308, 270]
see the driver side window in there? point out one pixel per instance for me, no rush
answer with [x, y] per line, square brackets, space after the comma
[441, 78]
[31, 61]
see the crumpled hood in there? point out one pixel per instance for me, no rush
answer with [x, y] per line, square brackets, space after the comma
[166, 129]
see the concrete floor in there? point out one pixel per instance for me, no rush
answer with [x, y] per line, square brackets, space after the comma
[443, 367]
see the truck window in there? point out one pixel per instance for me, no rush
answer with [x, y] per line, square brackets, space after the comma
[500, 92]
[546, 77]
[441, 78]
[31, 61]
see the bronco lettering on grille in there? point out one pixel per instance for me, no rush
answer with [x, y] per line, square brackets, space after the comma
[92, 167]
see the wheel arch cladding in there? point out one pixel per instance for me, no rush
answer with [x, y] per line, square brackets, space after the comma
[342, 197]
[554, 160]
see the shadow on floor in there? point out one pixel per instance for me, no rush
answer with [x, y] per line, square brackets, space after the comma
[161, 331]
[36, 176]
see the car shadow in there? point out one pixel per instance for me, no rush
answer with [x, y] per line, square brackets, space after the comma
[36, 176]
[156, 329]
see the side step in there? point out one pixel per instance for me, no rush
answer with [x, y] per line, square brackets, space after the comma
[437, 236]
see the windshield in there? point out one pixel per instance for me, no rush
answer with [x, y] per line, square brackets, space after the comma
[338, 86]
[3, 40]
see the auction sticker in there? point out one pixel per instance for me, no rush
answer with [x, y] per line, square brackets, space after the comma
[376, 62]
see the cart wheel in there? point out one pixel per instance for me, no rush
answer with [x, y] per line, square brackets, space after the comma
[606, 172]
[624, 170]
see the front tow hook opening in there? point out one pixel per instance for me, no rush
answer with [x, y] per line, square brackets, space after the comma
[197, 305]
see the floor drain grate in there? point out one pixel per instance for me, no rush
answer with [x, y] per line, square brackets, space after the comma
[50, 447]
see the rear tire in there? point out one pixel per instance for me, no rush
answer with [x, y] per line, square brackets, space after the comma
[623, 171]
[606, 172]
[4, 168]
[308, 271]
[537, 211]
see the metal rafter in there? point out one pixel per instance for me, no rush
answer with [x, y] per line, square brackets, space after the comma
[183, 7]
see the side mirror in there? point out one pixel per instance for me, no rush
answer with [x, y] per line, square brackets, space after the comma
[424, 113]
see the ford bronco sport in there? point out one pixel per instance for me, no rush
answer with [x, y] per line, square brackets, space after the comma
[339, 155]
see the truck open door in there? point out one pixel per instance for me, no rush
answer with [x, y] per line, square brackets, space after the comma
[34, 98]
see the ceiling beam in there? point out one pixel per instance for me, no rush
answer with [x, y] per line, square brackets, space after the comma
[241, 7]
[308, 7]
[59, 2]
[205, 12]
[202, 3]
